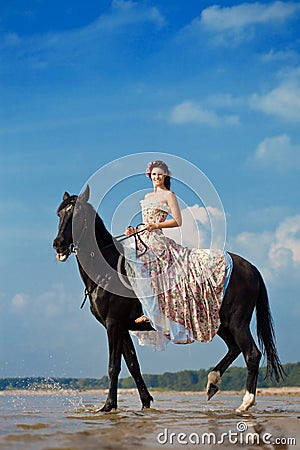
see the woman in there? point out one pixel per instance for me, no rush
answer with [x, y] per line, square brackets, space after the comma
[181, 289]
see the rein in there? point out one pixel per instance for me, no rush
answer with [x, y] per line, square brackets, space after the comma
[137, 239]
[86, 294]
[136, 236]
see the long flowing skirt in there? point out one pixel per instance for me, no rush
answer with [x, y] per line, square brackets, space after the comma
[181, 289]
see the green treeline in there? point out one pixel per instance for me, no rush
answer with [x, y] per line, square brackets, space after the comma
[188, 380]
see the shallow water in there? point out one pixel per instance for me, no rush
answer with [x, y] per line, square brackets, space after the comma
[68, 421]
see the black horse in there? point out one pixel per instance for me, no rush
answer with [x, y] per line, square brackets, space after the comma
[114, 305]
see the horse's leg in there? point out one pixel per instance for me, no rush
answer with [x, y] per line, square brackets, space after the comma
[115, 344]
[132, 363]
[236, 312]
[233, 352]
[252, 357]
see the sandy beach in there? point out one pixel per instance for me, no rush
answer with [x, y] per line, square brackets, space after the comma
[293, 391]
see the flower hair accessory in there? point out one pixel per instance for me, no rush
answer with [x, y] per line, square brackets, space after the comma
[148, 170]
[149, 167]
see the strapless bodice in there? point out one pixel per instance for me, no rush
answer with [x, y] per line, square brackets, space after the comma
[152, 203]
[154, 211]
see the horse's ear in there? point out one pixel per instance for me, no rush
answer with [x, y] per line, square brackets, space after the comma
[66, 196]
[85, 195]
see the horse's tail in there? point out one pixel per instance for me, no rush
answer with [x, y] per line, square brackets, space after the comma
[266, 333]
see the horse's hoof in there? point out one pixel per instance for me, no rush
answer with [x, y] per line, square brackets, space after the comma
[108, 408]
[147, 404]
[212, 390]
[248, 401]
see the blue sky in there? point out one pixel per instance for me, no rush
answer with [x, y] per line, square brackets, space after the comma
[85, 83]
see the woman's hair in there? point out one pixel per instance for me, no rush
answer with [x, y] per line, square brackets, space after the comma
[162, 165]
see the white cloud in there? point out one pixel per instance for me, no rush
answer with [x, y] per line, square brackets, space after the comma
[123, 17]
[277, 252]
[126, 13]
[278, 152]
[53, 300]
[19, 302]
[235, 24]
[48, 303]
[200, 225]
[193, 112]
[284, 100]
[218, 18]
[254, 246]
[285, 249]
[280, 56]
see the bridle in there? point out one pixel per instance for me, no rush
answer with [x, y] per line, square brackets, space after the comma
[74, 246]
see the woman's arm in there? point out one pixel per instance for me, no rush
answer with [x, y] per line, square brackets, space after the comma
[175, 211]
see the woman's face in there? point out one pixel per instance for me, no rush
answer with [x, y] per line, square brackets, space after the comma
[158, 177]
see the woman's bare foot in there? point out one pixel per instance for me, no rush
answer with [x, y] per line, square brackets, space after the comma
[141, 319]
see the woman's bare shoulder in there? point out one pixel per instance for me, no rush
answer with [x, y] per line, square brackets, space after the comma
[170, 195]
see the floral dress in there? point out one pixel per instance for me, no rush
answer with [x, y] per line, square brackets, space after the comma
[181, 288]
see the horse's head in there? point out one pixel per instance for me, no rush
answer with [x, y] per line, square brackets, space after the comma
[70, 206]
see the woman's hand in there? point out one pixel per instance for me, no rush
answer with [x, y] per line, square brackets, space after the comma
[151, 226]
[129, 231]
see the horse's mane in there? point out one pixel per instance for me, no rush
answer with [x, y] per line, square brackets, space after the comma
[103, 236]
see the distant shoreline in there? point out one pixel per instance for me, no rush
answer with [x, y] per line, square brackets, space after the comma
[285, 391]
